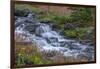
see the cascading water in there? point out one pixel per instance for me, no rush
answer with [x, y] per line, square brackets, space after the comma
[49, 40]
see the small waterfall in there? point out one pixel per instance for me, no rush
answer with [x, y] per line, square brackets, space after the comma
[49, 40]
[42, 28]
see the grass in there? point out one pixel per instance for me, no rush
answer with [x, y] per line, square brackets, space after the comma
[76, 33]
[81, 17]
[28, 55]
[28, 7]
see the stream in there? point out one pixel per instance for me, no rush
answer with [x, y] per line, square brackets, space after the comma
[45, 38]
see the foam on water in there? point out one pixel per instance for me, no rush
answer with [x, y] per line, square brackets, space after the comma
[47, 39]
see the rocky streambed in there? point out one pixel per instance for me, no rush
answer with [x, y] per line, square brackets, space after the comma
[46, 39]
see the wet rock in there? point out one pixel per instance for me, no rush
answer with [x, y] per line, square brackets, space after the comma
[50, 53]
[30, 28]
[89, 50]
[53, 39]
[24, 16]
[82, 57]
[43, 29]
[87, 42]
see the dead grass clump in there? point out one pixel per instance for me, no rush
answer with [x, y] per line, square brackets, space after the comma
[28, 55]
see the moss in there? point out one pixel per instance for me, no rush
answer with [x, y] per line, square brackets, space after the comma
[76, 33]
[70, 33]
[81, 32]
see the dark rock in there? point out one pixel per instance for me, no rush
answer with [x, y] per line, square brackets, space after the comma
[87, 42]
[24, 16]
[22, 12]
[82, 56]
[30, 28]
[69, 26]
[89, 50]
[55, 27]
[16, 17]
[28, 21]
[45, 21]
[53, 39]
[62, 43]
[50, 53]
[73, 47]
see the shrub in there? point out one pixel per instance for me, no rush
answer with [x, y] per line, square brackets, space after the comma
[27, 8]
[78, 33]
[70, 33]
[82, 16]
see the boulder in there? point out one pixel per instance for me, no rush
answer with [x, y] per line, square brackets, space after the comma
[30, 28]
[22, 12]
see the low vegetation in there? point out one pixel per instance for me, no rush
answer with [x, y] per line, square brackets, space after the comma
[28, 55]
[80, 20]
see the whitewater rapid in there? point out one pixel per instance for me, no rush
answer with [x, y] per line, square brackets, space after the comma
[49, 40]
